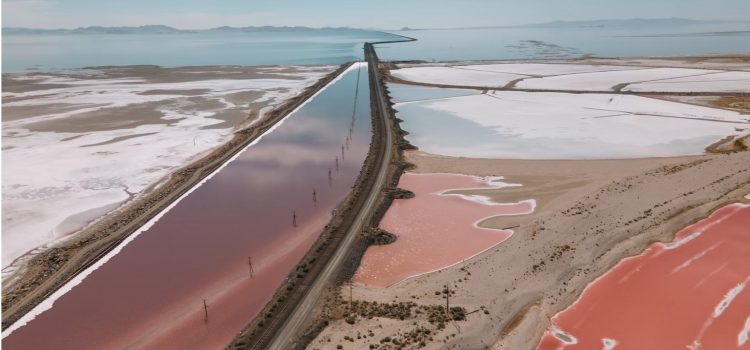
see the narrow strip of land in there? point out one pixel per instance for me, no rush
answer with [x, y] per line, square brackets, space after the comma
[301, 315]
[511, 87]
[55, 267]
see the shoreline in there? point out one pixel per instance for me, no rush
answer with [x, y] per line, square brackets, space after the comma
[591, 215]
[628, 253]
[626, 270]
[524, 327]
[296, 313]
[577, 60]
[519, 316]
[51, 269]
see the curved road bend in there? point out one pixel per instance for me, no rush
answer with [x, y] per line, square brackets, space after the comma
[301, 315]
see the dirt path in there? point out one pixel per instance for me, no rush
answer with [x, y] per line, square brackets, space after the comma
[295, 310]
[304, 310]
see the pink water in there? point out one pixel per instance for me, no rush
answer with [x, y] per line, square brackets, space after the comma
[688, 294]
[150, 295]
[434, 230]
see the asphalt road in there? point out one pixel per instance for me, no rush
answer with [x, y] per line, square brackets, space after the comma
[295, 323]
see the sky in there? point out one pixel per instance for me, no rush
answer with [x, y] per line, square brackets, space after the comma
[382, 14]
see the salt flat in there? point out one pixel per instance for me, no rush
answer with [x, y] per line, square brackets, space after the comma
[524, 125]
[456, 76]
[79, 144]
[543, 69]
[610, 174]
[723, 82]
[591, 75]
[602, 81]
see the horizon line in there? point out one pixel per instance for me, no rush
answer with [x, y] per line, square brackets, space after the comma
[386, 29]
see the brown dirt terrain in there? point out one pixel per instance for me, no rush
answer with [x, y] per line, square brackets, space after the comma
[590, 215]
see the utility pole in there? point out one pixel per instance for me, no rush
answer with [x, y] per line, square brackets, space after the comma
[250, 263]
[294, 218]
[447, 300]
[342, 151]
[337, 163]
[351, 304]
[205, 311]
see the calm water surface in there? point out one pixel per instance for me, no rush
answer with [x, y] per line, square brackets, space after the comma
[61, 51]
[150, 295]
[540, 42]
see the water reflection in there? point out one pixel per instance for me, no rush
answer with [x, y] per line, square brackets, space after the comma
[150, 294]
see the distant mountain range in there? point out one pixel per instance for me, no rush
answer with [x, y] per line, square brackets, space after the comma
[634, 22]
[162, 29]
[159, 29]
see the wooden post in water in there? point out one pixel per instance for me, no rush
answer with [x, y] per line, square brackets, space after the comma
[315, 197]
[250, 263]
[337, 163]
[330, 179]
[294, 218]
[342, 151]
[205, 311]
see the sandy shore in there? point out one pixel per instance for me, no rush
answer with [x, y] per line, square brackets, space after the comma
[694, 283]
[437, 225]
[589, 216]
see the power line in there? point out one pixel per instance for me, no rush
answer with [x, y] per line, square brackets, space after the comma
[356, 91]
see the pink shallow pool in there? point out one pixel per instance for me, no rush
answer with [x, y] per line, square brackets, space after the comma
[435, 230]
[688, 294]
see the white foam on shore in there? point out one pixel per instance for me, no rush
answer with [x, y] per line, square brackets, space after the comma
[566, 338]
[76, 280]
[448, 266]
[608, 344]
[744, 334]
[493, 183]
[718, 311]
[728, 298]
[586, 289]
[695, 234]
[695, 257]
